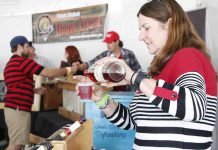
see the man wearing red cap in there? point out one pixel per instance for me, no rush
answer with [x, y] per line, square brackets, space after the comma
[115, 48]
[111, 36]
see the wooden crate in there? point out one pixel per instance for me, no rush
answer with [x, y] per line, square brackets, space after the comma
[81, 139]
[52, 99]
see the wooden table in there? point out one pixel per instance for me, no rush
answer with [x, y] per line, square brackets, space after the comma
[69, 85]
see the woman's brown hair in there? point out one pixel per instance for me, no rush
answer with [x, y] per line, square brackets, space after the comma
[181, 32]
[73, 54]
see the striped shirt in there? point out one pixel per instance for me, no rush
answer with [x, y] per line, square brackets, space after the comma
[18, 75]
[181, 113]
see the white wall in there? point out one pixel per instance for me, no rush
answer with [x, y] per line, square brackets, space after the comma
[212, 41]
[212, 32]
[9, 27]
[15, 19]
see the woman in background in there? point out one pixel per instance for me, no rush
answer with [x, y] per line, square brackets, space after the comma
[71, 55]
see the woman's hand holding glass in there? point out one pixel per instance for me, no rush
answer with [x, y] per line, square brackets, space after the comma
[97, 91]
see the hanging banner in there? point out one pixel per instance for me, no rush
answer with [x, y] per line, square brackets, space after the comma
[69, 25]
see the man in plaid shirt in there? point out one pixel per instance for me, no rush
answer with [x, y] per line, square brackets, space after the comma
[114, 46]
[125, 54]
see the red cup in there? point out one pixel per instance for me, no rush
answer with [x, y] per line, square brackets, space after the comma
[85, 90]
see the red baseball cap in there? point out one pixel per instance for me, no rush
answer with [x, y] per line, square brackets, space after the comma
[111, 36]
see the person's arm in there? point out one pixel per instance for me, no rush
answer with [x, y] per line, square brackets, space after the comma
[115, 112]
[40, 90]
[186, 98]
[135, 66]
[86, 65]
[53, 72]
[121, 116]
[30, 67]
[82, 66]
[147, 86]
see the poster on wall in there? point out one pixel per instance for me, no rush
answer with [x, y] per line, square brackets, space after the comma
[69, 25]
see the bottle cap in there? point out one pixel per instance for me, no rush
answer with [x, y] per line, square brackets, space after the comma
[82, 119]
[68, 132]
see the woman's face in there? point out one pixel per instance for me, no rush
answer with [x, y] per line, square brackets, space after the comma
[153, 33]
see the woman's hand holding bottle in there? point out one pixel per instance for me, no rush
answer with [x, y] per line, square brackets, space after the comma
[128, 71]
[104, 74]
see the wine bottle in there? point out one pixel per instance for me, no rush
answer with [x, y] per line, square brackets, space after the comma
[47, 145]
[110, 71]
[69, 130]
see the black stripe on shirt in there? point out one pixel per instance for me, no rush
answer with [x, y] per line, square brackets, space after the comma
[174, 130]
[175, 144]
[166, 103]
[181, 104]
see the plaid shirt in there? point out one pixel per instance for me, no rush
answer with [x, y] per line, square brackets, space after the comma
[127, 55]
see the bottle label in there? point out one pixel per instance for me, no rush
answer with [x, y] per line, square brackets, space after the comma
[42, 148]
[98, 74]
[74, 126]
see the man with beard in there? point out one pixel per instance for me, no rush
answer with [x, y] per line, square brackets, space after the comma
[18, 75]
[32, 54]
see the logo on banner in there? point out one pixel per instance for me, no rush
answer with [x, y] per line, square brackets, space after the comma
[44, 26]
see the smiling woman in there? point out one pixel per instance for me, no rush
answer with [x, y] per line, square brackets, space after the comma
[153, 33]
[176, 107]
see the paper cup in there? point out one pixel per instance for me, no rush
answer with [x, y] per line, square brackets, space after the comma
[85, 90]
